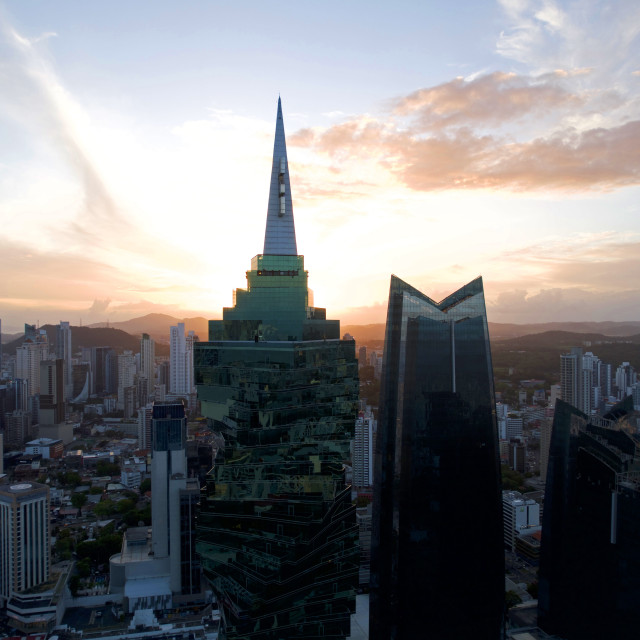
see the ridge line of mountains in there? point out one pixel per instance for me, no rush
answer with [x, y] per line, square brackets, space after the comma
[126, 334]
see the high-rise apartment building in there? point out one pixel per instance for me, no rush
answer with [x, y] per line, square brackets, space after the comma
[436, 429]
[363, 451]
[625, 378]
[52, 391]
[181, 360]
[589, 580]
[64, 353]
[126, 377]
[277, 531]
[104, 369]
[175, 498]
[571, 377]
[17, 427]
[147, 366]
[33, 350]
[24, 537]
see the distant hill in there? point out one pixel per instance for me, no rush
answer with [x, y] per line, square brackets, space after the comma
[364, 332]
[157, 326]
[502, 331]
[538, 355]
[91, 337]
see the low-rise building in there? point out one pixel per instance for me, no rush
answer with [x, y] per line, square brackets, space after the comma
[48, 448]
[521, 516]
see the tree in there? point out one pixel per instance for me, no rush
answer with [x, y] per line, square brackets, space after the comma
[78, 500]
[145, 486]
[105, 508]
[122, 506]
[107, 469]
[74, 583]
[70, 479]
[512, 599]
[532, 589]
[84, 568]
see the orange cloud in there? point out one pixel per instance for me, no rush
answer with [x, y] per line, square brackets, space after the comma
[451, 137]
[489, 99]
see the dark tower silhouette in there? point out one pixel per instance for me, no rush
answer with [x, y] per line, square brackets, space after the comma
[437, 566]
[589, 585]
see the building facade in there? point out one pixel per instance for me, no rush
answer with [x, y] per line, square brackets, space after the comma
[173, 534]
[277, 532]
[181, 360]
[52, 392]
[64, 352]
[33, 350]
[24, 537]
[589, 582]
[437, 569]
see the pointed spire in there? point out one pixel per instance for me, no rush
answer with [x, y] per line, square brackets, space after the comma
[280, 234]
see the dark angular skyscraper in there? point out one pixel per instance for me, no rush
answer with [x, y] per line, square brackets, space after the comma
[277, 532]
[590, 552]
[437, 566]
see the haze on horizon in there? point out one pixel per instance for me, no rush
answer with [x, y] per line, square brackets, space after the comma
[501, 140]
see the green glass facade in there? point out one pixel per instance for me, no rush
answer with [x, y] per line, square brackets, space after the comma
[276, 533]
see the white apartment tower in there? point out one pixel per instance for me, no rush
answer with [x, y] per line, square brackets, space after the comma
[24, 537]
[181, 379]
[363, 452]
[126, 375]
[28, 358]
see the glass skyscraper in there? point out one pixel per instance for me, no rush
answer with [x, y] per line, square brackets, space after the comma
[437, 565]
[277, 533]
[589, 585]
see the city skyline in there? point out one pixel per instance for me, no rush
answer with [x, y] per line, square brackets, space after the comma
[510, 130]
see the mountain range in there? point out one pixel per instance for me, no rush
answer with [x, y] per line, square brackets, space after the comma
[126, 335]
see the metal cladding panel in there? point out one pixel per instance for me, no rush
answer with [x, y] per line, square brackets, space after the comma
[280, 234]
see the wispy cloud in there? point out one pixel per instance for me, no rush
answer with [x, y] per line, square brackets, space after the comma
[35, 98]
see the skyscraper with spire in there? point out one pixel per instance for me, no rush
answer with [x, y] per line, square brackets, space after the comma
[277, 531]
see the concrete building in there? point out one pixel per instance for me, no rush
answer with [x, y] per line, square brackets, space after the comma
[181, 360]
[363, 451]
[158, 567]
[24, 537]
[46, 447]
[64, 352]
[18, 428]
[144, 426]
[52, 392]
[147, 365]
[126, 375]
[571, 377]
[33, 350]
[545, 443]
[520, 515]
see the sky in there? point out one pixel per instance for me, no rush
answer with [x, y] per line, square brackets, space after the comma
[436, 141]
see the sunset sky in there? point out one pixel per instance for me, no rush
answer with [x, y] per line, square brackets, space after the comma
[434, 140]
